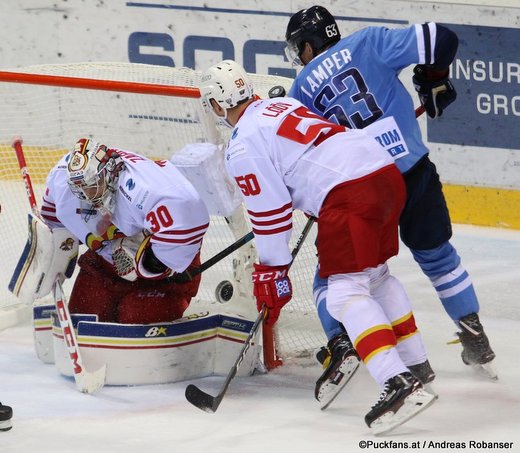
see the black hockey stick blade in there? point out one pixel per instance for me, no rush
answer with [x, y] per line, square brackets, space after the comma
[201, 399]
[209, 403]
[205, 401]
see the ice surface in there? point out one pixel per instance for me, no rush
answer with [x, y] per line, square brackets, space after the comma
[277, 412]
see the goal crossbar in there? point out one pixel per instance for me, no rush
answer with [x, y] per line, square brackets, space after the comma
[98, 84]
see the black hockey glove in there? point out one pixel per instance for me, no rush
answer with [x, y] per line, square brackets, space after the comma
[435, 89]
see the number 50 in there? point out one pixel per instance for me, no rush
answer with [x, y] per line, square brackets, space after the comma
[248, 184]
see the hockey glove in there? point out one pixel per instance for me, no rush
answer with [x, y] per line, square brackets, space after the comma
[435, 89]
[133, 258]
[272, 288]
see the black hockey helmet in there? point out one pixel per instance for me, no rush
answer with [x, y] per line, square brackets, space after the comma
[314, 25]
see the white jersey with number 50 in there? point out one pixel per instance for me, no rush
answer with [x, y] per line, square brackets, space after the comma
[284, 157]
[151, 196]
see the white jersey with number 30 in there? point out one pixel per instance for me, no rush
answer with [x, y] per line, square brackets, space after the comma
[151, 196]
[284, 157]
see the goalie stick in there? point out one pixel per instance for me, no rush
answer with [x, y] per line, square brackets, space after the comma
[86, 382]
[209, 403]
[279, 91]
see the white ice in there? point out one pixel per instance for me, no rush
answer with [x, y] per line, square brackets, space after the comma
[277, 412]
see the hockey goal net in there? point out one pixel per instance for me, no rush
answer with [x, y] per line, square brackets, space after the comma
[152, 110]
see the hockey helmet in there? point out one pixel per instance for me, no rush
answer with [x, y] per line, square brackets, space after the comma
[228, 84]
[93, 172]
[314, 25]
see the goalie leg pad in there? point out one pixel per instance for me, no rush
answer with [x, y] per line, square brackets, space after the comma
[47, 255]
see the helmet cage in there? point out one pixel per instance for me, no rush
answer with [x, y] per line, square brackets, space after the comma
[93, 172]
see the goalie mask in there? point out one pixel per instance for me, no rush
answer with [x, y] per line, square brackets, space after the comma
[93, 171]
[314, 25]
[228, 84]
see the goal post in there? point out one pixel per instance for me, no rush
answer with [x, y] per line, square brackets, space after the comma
[155, 111]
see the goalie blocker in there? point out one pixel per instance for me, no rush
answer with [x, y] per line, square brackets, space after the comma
[47, 256]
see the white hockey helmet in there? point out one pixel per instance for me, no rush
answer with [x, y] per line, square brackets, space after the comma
[227, 83]
[93, 171]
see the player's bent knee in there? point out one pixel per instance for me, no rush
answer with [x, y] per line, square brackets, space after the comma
[345, 291]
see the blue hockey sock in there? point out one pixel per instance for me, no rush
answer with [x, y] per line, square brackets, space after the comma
[451, 281]
[331, 326]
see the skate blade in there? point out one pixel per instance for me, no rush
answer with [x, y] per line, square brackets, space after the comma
[486, 369]
[329, 390]
[414, 404]
[6, 425]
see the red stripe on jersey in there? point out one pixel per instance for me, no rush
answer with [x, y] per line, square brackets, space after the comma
[270, 213]
[272, 222]
[48, 209]
[273, 230]
[48, 202]
[370, 342]
[188, 240]
[51, 218]
[190, 230]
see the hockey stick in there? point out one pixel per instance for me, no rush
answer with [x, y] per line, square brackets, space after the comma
[188, 275]
[279, 91]
[86, 382]
[209, 403]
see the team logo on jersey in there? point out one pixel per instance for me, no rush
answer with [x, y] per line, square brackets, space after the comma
[67, 244]
[130, 184]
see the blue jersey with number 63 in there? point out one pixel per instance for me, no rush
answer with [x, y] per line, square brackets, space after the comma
[356, 81]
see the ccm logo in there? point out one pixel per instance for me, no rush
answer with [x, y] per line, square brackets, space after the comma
[269, 276]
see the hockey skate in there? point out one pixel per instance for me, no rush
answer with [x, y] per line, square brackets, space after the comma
[403, 397]
[340, 364]
[6, 413]
[476, 351]
[423, 371]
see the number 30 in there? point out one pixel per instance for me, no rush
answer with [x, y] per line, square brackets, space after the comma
[160, 217]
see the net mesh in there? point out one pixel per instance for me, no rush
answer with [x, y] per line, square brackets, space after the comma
[50, 119]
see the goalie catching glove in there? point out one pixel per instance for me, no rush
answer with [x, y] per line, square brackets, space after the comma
[435, 89]
[272, 288]
[133, 258]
